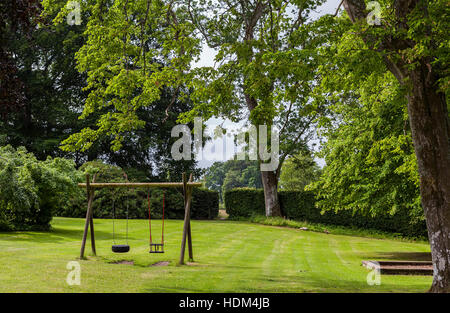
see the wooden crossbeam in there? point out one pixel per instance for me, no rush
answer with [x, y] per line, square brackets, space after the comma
[139, 185]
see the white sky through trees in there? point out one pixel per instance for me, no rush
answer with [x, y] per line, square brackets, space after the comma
[228, 150]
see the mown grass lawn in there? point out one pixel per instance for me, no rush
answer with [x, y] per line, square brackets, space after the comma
[229, 257]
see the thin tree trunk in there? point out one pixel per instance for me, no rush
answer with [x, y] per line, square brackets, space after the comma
[270, 184]
[430, 128]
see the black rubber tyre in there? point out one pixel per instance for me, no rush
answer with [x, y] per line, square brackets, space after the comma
[120, 248]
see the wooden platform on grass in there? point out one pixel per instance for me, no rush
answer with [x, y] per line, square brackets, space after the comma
[401, 267]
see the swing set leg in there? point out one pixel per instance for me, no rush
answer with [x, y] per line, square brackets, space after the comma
[187, 221]
[191, 254]
[89, 219]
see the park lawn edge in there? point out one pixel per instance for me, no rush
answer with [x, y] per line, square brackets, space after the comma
[329, 229]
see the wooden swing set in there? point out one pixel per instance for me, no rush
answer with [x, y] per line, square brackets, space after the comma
[154, 248]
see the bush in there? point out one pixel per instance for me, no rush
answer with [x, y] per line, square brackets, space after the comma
[300, 205]
[244, 202]
[32, 190]
[205, 203]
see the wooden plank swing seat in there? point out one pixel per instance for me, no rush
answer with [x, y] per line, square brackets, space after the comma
[154, 247]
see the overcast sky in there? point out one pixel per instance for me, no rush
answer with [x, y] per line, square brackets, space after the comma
[224, 149]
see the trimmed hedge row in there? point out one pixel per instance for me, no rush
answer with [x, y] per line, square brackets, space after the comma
[244, 202]
[300, 205]
[205, 204]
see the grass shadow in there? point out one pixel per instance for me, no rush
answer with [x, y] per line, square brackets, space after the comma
[335, 285]
[400, 256]
[56, 235]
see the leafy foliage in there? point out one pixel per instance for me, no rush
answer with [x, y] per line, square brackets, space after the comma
[52, 97]
[265, 66]
[51, 87]
[371, 165]
[298, 171]
[130, 64]
[223, 176]
[32, 190]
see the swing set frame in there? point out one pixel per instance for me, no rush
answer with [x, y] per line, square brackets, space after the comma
[187, 194]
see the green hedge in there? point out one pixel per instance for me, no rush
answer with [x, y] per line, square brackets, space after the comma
[300, 205]
[244, 202]
[205, 204]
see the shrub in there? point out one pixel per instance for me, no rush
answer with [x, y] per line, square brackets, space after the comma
[32, 190]
[205, 204]
[300, 205]
[244, 202]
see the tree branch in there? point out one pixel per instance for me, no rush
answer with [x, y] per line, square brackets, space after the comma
[339, 6]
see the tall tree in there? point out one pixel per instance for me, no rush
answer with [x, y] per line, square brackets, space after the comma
[264, 74]
[51, 87]
[412, 38]
[18, 19]
[298, 171]
[223, 176]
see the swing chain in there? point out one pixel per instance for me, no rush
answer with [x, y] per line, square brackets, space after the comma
[114, 218]
[159, 248]
[128, 204]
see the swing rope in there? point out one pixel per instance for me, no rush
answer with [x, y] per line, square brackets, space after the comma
[149, 216]
[150, 219]
[128, 204]
[114, 218]
[162, 231]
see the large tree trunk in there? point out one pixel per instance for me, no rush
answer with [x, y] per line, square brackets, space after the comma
[430, 128]
[270, 184]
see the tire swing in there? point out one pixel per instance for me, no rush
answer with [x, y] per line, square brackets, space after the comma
[115, 247]
[156, 247]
